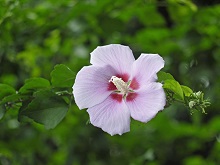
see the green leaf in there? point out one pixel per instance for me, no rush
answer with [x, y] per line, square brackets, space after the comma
[186, 90]
[23, 108]
[6, 90]
[175, 87]
[62, 76]
[46, 108]
[10, 98]
[162, 76]
[188, 3]
[34, 84]
[2, 111]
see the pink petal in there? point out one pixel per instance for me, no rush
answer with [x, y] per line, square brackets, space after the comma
[120, 57]
[112, 116]
[146, 102]
[145, 68]
[91, 85]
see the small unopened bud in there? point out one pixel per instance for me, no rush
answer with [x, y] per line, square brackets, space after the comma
[198, 94]
[191, 104]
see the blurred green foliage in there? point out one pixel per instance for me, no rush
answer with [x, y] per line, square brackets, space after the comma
[37, 35]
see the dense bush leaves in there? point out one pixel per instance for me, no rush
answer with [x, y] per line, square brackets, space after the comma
[46, 108]
[34, 84]
[6, 90]
[62, 76]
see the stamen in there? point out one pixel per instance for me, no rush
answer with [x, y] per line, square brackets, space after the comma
[120, 84]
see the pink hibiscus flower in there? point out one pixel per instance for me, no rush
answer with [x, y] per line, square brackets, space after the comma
[116, 87]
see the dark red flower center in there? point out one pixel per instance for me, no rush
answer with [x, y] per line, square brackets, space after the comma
[124, 77]
[123, 89]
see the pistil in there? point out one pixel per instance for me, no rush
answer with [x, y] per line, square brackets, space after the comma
[122, 86]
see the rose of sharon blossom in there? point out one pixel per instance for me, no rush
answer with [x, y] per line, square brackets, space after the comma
[116, 87]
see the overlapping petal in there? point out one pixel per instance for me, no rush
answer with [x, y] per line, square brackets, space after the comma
[108, 108]
[145, 103]
[91, 85]
[111, 116]
[118, 56]
[145, 68]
